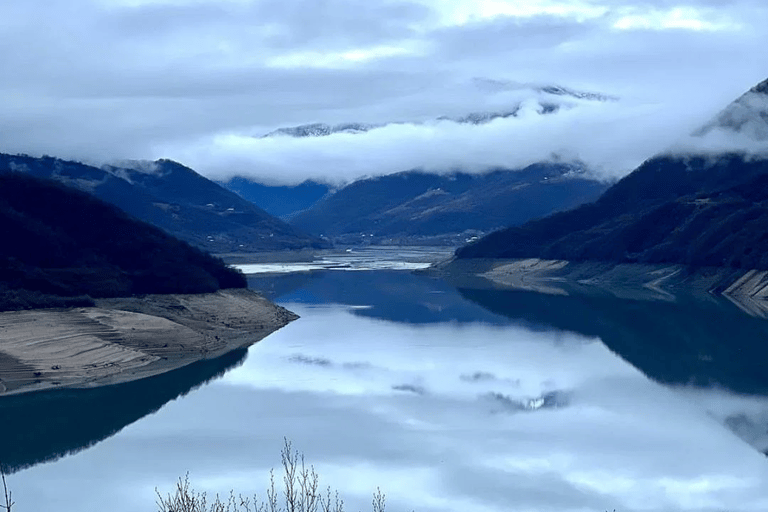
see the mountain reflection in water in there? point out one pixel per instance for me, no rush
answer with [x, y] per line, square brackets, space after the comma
[389, 295]
[448, 399]
[45, 426]
[701, 342]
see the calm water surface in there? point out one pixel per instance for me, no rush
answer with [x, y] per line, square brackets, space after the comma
[448, 399]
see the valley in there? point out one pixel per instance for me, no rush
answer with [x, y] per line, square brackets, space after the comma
[464, 256]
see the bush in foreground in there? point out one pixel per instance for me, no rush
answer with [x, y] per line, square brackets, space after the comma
[300, 493]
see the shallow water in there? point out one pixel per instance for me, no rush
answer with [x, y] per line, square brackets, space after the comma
[446, 399]
[358, 259]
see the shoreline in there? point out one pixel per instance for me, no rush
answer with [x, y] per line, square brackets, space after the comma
[745, 288]
[126, 339]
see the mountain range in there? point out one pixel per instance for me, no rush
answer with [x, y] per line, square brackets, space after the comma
[174, 198]
[414, 206]
[696, 209]
[418, 207]
[282, 201]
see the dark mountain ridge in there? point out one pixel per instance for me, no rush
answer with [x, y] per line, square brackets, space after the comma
[175, 199]
[62, 246]
[696, 210]
[417, 204]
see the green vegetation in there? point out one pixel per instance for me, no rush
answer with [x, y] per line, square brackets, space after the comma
[61, 246]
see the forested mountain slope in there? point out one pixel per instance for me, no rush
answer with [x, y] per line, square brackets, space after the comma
[175, 199]
[417, 205]
[61, 246]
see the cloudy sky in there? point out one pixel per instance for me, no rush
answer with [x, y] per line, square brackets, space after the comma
[199, 81]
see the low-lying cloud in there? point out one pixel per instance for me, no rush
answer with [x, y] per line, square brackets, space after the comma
[611, 138]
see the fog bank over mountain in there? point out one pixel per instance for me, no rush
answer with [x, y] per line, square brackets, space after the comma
[609, 135]
[196, 81]
[741, 127]
[695, 208]
[611, 138]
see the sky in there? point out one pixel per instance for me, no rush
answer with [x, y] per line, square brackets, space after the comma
[200, 81]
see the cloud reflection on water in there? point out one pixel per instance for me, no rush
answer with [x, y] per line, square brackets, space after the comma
[621, 442]
[335, 383]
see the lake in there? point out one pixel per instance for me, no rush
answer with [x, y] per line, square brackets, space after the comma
[448, 399]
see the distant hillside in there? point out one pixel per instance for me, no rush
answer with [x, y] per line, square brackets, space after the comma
[696, 210]
[62, 246]
[174, 198]
[279, 200]
[415, 207]
[412, 206]
[689, 211]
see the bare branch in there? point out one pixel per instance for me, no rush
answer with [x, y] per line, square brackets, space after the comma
[8, 495]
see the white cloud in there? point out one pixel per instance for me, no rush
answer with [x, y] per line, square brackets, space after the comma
[461, 12]
[345, 58]
[611, 138]
[684, 18]
[193, 80]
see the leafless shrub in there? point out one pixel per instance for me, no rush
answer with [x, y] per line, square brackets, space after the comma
[7, 494]
[301, 493]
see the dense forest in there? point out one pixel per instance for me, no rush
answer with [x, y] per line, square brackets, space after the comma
[62, 247]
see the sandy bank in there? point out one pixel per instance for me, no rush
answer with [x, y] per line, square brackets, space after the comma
[126, 339]
[747, 288]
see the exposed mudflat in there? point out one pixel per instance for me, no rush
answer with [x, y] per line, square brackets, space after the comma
[128, 338]
[747, 288]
